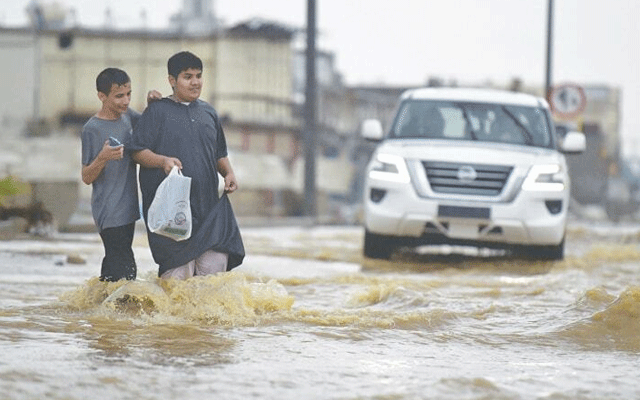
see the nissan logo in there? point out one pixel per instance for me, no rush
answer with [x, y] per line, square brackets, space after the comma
[467, 174]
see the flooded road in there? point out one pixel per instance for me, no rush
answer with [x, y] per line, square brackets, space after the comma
[305, 317]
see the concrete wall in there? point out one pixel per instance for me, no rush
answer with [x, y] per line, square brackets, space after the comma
[259, 70]
[17, 78]
[68, 75]
[51, 166]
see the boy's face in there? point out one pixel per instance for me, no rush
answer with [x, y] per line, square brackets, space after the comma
[188, 85]
[117, 102]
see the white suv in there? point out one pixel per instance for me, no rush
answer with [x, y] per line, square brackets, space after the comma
[468, 166]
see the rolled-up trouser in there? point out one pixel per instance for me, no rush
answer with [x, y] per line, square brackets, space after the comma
[118, 261]
[210, 262]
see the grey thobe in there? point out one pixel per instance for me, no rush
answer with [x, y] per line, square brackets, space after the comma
[193, 134]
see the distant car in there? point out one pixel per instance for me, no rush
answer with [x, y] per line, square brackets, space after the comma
[468, 166]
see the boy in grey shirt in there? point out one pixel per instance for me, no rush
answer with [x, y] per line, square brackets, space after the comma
[109, 168]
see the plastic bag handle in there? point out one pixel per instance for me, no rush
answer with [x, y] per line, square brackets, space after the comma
[175, 170]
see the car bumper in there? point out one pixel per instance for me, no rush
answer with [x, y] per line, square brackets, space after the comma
[526, 220]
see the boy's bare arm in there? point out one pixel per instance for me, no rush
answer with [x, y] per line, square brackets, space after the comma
[149, 159]
[230, 182]
[92, 171]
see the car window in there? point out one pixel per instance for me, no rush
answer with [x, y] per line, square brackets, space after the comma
[473, 121]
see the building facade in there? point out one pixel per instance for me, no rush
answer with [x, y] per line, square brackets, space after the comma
[247, 78]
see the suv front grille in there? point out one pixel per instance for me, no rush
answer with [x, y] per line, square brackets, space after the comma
[466, 179]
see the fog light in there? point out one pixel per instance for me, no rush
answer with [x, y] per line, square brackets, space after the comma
[376, 195]
[554, 206]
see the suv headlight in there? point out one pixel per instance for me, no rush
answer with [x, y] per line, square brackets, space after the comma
[546, 177]
[389, 167]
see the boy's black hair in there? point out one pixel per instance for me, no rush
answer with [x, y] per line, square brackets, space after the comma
[108, 77]
[183, 61]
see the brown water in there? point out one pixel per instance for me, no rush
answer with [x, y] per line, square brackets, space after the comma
[306, 318]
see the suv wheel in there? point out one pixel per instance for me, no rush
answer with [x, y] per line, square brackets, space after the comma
[378, 246]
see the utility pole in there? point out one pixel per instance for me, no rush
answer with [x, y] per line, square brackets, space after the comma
[38, 25]
[548, 81]
[310, 128]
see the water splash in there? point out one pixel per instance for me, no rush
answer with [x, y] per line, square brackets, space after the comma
[616, 327]
[137, 297]
[224, 299]
[237, 299]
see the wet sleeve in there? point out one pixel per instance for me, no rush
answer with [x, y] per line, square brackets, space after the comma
[145, 131]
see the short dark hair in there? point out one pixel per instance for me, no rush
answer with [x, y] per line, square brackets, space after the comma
[183, 61]
[110, 76]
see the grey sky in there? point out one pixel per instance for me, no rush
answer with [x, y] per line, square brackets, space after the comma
[470, 41]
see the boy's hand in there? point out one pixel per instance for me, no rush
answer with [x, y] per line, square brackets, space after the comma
[169, 162]
[109, 152]
[230, 183]
[153, 95]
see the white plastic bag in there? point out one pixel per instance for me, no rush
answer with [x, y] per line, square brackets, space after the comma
[170, 211]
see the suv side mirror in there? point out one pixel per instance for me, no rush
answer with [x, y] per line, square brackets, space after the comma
[574, 142]
[371, 129]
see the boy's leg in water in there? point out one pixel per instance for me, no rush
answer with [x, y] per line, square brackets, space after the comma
[211, 262]
[183, 272]
[119, 261]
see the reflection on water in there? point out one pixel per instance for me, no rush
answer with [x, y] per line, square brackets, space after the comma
[315, 320]
[118, 339]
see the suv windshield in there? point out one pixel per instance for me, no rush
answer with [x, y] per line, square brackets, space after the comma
[473, 121]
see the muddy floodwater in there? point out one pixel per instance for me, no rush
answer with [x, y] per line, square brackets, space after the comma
[306, 317]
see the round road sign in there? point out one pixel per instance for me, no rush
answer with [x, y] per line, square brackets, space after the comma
[567, 100]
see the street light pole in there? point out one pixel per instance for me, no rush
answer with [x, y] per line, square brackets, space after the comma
[548, 81]
[38, 25]
[310, 128]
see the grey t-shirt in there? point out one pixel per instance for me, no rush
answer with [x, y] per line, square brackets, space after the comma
[114, 198]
